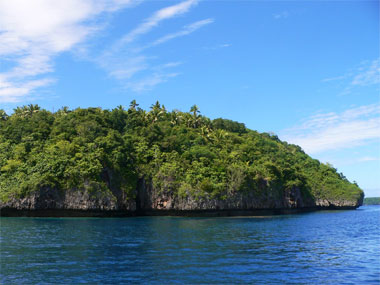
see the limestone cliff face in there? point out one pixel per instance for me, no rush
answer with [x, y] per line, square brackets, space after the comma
[152, 199]
[149, 199]
[267, 197]
[339, 203]
[73, 199]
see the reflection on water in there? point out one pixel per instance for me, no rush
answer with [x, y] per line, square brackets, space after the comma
[319, 247]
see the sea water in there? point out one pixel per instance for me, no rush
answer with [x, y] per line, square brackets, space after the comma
[325, 247]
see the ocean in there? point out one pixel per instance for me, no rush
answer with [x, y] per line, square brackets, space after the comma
[325, 247]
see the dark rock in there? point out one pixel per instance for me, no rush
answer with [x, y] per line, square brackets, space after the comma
[79, 202]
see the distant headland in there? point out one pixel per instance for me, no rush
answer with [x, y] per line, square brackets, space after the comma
[371, 201]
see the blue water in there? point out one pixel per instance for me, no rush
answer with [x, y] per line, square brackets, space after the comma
[325, 247]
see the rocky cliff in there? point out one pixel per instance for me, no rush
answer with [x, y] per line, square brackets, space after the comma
[150, 201]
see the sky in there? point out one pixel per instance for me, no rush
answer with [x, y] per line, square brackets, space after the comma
[308, 71]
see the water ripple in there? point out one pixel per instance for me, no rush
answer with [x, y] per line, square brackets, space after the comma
[326, 247]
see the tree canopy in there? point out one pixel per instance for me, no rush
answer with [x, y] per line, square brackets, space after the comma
[183, 152]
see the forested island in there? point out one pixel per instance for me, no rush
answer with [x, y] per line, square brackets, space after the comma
[372, 201]
[129, 161]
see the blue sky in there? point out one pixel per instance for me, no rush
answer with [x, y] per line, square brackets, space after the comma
[306, 70]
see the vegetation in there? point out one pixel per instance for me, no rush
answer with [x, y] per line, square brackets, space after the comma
[372, 201]
[183, 152]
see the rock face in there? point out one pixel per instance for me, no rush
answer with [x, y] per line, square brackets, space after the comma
[74, 202]
[71, 202]
[266, 198]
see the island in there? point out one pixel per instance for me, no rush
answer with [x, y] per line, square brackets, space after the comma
[371, 201]
[129, 161]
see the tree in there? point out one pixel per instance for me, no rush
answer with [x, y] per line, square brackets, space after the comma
[156, 112]
[175, 118]
[118, 117]
[32, 109]
[3, 115]
[63, 111]
[195, 110]
[195, 118]
[27, 111]
[133, 105]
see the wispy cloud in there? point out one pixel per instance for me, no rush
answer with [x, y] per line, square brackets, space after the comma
[333, 78]
[127, 61]
[10, 93]
[219, 46]
[188, 29]
[368, 73]
[281, 15]
[168, 65]
[32, 33]
[147, 83]
[124, 68]
[334, 131]
[368, 158]
[349, 160]
[155, 19]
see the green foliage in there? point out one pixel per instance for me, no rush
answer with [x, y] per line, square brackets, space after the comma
[229, 125]
[372, 201]
[185, 153]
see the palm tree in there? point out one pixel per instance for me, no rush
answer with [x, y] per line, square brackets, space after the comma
[175, 118]
[18, 111]
[27, 111]
[133, 105]
[156, 111]
[63, 111]
[3, 115]
[33, 109]
[195, 119]
[145, 117]
[195, 110]
[156, 106]
[206, 133]
[219, 136]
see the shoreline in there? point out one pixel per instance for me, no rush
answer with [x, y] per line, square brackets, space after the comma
[60, 213]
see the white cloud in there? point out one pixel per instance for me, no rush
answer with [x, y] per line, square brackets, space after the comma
[333, 78]
[219, 46]
[149, 82]
[168, 65]
[124, 68]
[185, 31]
[33, 32]
[125, 59]
[368, 73]
[10, 93]
[334, 131]
[155, 19]
[281, 15]
[351, 160]
[368, 158]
